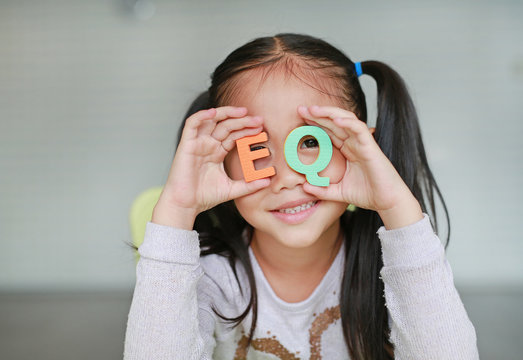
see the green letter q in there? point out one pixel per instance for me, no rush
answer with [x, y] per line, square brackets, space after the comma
[324, 157]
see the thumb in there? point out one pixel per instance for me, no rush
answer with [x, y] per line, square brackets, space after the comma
[331, 192]
[241, 187]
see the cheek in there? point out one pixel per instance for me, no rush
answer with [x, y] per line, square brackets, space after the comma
[247, 206]
[336, 168]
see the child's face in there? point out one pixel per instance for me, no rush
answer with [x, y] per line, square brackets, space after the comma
[269, 210]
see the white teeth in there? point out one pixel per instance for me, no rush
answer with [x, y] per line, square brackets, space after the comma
[299, 208]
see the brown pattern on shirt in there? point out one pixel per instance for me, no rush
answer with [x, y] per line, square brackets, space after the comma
[266, 345]
[273, 346]
[319, 325]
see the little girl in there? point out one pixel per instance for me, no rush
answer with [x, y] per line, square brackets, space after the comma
[278, 267]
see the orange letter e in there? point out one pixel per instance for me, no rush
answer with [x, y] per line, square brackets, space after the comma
[247, 157]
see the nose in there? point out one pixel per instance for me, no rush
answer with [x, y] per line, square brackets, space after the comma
[285, 177]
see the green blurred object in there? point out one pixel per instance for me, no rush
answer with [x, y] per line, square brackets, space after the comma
[141, 213]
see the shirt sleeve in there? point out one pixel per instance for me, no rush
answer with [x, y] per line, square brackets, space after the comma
[165, 320]
[428, 319]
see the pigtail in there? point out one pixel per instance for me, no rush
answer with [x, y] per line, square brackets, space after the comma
[362, 305]
[399, 137]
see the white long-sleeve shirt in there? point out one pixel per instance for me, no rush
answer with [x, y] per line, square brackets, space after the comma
[172, 317]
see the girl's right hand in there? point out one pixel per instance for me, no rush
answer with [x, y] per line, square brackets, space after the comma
[197, 180]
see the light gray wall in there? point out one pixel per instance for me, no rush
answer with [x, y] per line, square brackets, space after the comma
[91, 98]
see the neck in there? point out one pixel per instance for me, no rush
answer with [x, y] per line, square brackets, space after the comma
[303, 267]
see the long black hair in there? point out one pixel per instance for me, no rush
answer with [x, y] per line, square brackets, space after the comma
[322, 66]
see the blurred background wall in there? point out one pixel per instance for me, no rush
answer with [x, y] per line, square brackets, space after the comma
[92, 94]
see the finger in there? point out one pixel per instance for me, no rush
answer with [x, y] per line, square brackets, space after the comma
[224, 128]
[225, 112]
[205, 125]
[354, 127]
[230, 142]
[330, 112]
[361, 143]
[332, 192]
[222, 113]
[315, 111]
[324, 115]
[336, 141]
[303, 111]
[194, 121]
[328, 124]
[241, 188]
[337, 136]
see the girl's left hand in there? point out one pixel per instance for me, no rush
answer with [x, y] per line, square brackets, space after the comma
[370, 180]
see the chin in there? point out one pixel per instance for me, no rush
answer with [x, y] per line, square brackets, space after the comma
[298, 239]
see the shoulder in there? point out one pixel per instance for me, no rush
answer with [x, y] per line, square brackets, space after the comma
[216, 268]
[218, 280]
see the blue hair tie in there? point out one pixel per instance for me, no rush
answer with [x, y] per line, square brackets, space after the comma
[357, 67]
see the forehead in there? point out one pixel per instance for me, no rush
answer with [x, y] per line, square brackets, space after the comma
[267, 93]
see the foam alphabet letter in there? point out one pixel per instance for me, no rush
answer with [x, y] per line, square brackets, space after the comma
[247, 157]
[324, 156]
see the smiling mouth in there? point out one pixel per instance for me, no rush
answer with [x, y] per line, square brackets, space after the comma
[299, 208]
